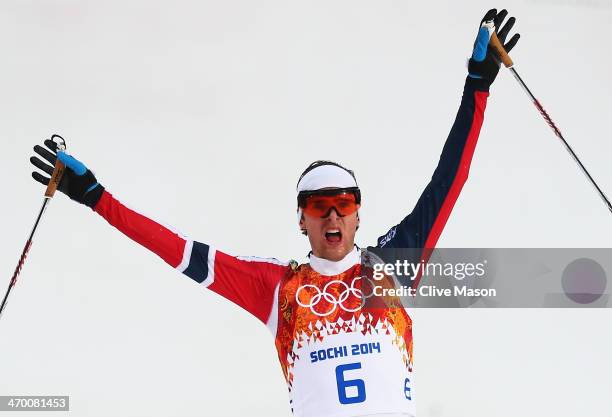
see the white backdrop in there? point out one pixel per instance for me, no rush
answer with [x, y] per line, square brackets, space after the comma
[204, 113]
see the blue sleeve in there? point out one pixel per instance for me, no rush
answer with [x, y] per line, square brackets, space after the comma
[423, 226]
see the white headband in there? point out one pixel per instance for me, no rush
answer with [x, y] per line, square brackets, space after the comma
[326, 176]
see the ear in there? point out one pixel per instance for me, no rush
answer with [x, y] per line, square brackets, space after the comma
[301, 223]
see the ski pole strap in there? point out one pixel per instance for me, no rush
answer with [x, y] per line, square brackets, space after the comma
[58, 170]
[500, 51]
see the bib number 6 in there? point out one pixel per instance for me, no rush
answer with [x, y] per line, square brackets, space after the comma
[350, 391]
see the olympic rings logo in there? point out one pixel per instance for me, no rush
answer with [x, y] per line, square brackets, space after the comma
[334, 302]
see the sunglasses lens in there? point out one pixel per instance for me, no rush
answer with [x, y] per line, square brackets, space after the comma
[320, 205]
[345, 204]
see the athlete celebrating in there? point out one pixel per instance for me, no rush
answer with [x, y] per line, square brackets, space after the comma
[338, 358]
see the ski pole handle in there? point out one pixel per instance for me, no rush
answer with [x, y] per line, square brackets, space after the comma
[500, 51]
[56, 177]
[58, 170]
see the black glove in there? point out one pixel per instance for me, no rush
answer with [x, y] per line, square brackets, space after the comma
[78, 182]
[484, 62]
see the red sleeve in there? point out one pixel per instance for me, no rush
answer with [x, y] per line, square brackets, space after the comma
[248, 282]
[167, 244]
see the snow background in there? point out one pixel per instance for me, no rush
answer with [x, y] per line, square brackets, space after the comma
[204, 113]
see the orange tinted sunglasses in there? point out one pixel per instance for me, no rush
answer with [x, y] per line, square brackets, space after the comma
[319, 203]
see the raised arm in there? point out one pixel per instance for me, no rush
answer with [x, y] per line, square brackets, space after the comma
[247, 282]
[424, 225]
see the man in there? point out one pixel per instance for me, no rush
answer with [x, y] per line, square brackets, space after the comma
[338, 358]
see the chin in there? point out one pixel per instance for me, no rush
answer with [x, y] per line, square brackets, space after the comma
[336, 254]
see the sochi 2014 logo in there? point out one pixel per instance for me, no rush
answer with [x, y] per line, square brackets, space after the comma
[335, 294]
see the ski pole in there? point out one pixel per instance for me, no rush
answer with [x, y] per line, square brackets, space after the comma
[507, 61]
[56, 177]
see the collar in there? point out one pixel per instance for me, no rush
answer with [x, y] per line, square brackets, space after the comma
[330, 268]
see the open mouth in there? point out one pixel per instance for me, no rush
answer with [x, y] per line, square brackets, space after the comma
[333, 236]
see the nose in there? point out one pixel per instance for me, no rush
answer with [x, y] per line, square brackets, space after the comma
[332, 214]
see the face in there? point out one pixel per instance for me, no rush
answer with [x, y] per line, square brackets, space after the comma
[331, 237]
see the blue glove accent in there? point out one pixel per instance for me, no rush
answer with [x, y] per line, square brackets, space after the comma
[91, 188]
[482, 42]
[74, 164]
